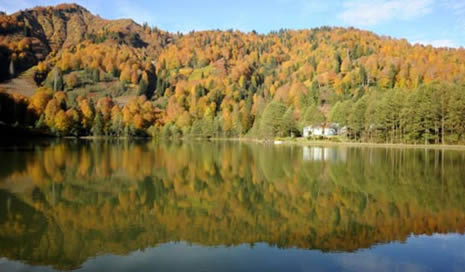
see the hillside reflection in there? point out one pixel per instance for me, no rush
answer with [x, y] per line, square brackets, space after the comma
[64, 202]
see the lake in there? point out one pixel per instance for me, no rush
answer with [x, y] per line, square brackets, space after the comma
[229, 206]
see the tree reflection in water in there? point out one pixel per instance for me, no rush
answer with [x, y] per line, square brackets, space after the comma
[64, 202]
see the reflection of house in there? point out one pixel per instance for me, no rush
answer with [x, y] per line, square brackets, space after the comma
[331, 130]
[324, 154]
[316, 154]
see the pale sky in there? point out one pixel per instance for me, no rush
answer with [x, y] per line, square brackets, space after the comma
[435, 22]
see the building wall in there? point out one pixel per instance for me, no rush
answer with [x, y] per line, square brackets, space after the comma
[318, 131]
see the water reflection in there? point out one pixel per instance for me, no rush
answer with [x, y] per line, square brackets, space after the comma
[65, 202]
[324, 154]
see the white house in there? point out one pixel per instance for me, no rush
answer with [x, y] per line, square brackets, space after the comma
[319, 131]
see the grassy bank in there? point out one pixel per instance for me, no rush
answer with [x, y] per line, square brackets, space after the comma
[13, 132]
[307, 142]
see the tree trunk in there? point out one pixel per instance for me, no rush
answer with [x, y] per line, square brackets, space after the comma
[55, 80]
[12, 68]
[442, 126]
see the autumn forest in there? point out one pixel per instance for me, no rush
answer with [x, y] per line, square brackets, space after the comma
[117, 78]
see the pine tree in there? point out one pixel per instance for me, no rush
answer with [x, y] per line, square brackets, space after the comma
[196, 129]
[207, 127]
[271, 123]
[312, 116]
[357, 118]
[143, 85]
[392, 76]
[41, 122]
[455, 119]
[99, 125]
[289, 125]
[95, 75]
[363, 75]
[57, 80]
[237, 128]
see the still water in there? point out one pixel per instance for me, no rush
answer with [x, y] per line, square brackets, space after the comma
[227, 206]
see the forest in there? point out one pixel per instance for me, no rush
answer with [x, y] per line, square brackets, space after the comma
[118, 78]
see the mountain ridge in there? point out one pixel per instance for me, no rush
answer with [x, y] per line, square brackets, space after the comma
[51, 29]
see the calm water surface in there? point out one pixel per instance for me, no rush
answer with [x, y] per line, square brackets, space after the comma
[224, 206]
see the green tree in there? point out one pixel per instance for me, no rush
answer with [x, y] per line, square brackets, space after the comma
[207, 127]
[95, 75]
[340, 112]
[166, 131]
[312, 116]
[237, 128]
[392, 76]
[411, 120]
[289, 124]
[363, 75]
[455, 119]
[196, 129]
[40, 124]
[357, 118]
[99, 125]
[57, 80]
[271, 123]
[117, 125]
[143, 86]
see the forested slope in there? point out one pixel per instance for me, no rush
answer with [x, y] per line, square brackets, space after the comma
[228, 83]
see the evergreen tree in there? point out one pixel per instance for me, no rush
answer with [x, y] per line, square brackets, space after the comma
[363, 75]
[271, 123]
[41, 122]
[99, 125]
[411, 120]
[338, 62]
[175, 131]
[217, 132]
[143, 85]
[207, 127]
[166, 131]
[117, 125]
[95, 75]
[392, 76]
[57, 80]
[196, 129]
[357, 118]
[237, 128]
[26, 31]
[312, 116]
[289, 125]
[455, 119]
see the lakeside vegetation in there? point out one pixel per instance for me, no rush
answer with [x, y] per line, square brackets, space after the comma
[430, 114]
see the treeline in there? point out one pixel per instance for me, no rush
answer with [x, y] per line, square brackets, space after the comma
[433, 113]
[430, 114]
[60, 115]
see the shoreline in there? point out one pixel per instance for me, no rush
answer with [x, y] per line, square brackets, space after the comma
[304, 142]
[282, 141]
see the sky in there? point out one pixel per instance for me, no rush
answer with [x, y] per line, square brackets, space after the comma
[440, 23]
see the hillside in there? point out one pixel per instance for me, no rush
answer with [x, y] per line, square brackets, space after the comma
[221, 83]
